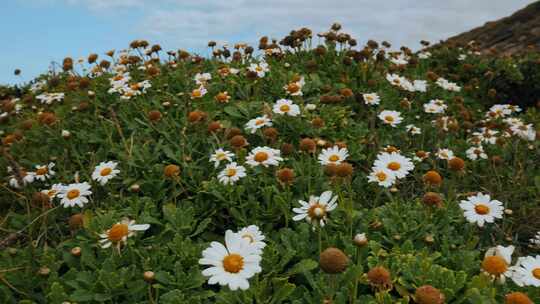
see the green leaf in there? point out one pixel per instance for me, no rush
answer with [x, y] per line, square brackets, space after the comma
[303, 266]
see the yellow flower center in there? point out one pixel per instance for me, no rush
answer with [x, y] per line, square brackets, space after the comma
[389, 118]
[494, 265]
[258, 69]
[394, 166]
[231, 172]
[293, 87]
[536, 273]
[42, 171]
[51, 193]
[222, 97]
[117, 232]
[105, 171]
[481, 209]
[233, 263]
[196, 93]
[220, 156]
[261, 156]
[333, 158]
[284, 108]
[73, 193]
[317, 211]
[381, 176]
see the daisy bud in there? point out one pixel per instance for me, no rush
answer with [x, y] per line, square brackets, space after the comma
[333, 260]
[517, 298]
[432, 199]
[12, 251]
[376, 224]
[149, 276]
[428, 294]
[497, 160]
[271, 133]
[508, 211]
[397, 237]
[91, 94]
[76, 251]
[456, 164]
[432, 178]
[344, 169]
[394, 189]
[379, 277]
[171, 171]
[214, 126]
[317, 122]
[238, 141]
[40, 199]
[330, 169]
[429, 239]
[322, 143]
[287, 149]
[44, 271]
[135, 188]
[286, 176]
[346, 92]
[66, 134]
[154, 115]
[360, 239]
[232, 132]
[76, 221]
[196, 116]
[308, 145]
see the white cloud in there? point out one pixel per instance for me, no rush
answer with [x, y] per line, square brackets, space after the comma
[191, 24]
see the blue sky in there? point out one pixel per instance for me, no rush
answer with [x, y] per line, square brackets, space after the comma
[36, 32]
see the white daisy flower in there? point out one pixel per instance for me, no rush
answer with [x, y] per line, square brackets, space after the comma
[310, 106]
[75, 194]
[526, 132]
[105, 171]
[420, 85]
[536, 239]
[256, 123]
[261, 69]
[333, 155]
[232, 264]
[202, 78]
[255, 237]
[414, 130]
[424, 55]
[286, 107]
[371, 98]
[527, 271]
[231, 174]
[486, 135]
[316, 210]
[481, 209]
[53, 191]
[198, 92]
[497, 261]
[398, 164]
[120, 232]
[44, 172]
[473, 153]
[445, 154]
[382, 176]
[295, 88]
[27, 178]
[221, 155]
[435, 106]
[264, 156]
[392, 118]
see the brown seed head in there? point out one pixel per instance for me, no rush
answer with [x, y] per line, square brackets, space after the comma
[333, 260]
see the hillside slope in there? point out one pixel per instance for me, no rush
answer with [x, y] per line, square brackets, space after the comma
[509, 35]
